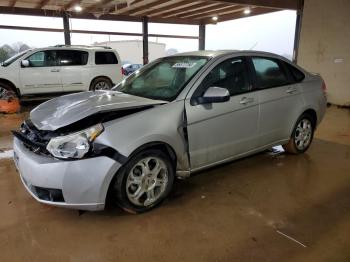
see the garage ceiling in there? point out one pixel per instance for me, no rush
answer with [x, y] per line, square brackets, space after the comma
[171, 11]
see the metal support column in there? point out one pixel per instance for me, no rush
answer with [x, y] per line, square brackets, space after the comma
[201, 37]
[66, 28]
[145, 39]
[298, 30]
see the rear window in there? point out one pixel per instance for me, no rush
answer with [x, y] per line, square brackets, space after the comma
[72, 57]
[269, 73]
[296, 73]
[105, 58]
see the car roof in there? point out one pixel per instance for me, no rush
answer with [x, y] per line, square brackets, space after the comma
[217, 53]
[75, 47]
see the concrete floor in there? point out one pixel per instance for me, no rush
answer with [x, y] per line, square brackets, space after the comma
[249, 210]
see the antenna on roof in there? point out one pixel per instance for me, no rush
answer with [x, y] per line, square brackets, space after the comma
[253, 46]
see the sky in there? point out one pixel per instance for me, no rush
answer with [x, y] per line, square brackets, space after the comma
[272, 32]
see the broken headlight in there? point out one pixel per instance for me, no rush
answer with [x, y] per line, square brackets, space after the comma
[74, 145]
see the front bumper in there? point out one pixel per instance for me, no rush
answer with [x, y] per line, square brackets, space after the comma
[83, 183]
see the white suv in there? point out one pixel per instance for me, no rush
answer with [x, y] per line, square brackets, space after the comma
[60, 69]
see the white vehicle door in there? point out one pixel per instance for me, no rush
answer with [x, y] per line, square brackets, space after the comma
[223, 130]
[280, 100]
[107, 64]
[42, 75]
[75, 70]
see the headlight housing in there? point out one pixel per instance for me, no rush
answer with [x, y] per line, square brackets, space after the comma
[74, 145]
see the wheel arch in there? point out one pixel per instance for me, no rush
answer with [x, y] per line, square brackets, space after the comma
[11, 84]
[311, 112]
[160, 145]
[100, 76]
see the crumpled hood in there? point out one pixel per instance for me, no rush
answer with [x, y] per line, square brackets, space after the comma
[68, 109]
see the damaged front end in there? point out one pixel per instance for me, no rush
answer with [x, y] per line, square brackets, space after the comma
[76, 140]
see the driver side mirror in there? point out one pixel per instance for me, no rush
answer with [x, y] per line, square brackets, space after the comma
[25, 63]
[214, 94]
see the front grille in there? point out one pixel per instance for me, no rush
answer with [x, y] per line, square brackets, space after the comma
[33, 139]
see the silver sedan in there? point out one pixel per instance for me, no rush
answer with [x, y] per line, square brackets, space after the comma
[173, 117]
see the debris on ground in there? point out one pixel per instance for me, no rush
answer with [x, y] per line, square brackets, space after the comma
[6, 154]
[9, 102]
[290, 238]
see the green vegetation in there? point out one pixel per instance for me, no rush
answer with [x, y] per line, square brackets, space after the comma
[3, 55]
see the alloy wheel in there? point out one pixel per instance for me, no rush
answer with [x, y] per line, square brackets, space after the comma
[147, 181]
[303, 134]
[102, 85]
[3, 91]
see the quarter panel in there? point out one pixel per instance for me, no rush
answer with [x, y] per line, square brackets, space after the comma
[313, 96]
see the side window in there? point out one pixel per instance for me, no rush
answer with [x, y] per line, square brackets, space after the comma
[105, 58]
[296, 73]
[269, 73]
[43, 59]
[72, 57]
[231, 74]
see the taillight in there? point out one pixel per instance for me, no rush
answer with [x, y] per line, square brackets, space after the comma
[122, 70]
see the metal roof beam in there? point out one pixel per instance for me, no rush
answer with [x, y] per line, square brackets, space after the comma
[12, 3]
[172, 7]
[237, 15]
[204, 11]
[71, 4]
[276, 4]
[42, 3]
[98, 5]
[187, 9]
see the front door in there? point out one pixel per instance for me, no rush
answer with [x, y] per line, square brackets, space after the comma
[42, 75]
[220, 131]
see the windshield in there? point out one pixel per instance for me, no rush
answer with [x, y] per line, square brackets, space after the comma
[164, 78]
[14, 58]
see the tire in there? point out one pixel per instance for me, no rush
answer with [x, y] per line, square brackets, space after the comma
[134, 183]
[101, 83]
[7, 91]
[302, 135]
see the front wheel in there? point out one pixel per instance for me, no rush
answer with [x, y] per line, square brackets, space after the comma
[6, 91]
[144, 182]
[302, 135]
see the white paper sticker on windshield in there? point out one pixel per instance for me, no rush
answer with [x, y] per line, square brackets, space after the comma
[184, 65]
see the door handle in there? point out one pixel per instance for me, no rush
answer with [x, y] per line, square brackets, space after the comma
[291, 90]
[55, 70]
[246, 100]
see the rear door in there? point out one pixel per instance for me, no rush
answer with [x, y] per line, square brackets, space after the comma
[42, 75]
[220, 131]
[107, 64]
[279, 97]
[75, 70]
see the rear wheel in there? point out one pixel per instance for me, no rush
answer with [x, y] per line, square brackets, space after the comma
[101, 83]
[144, 182]
[302, 135]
